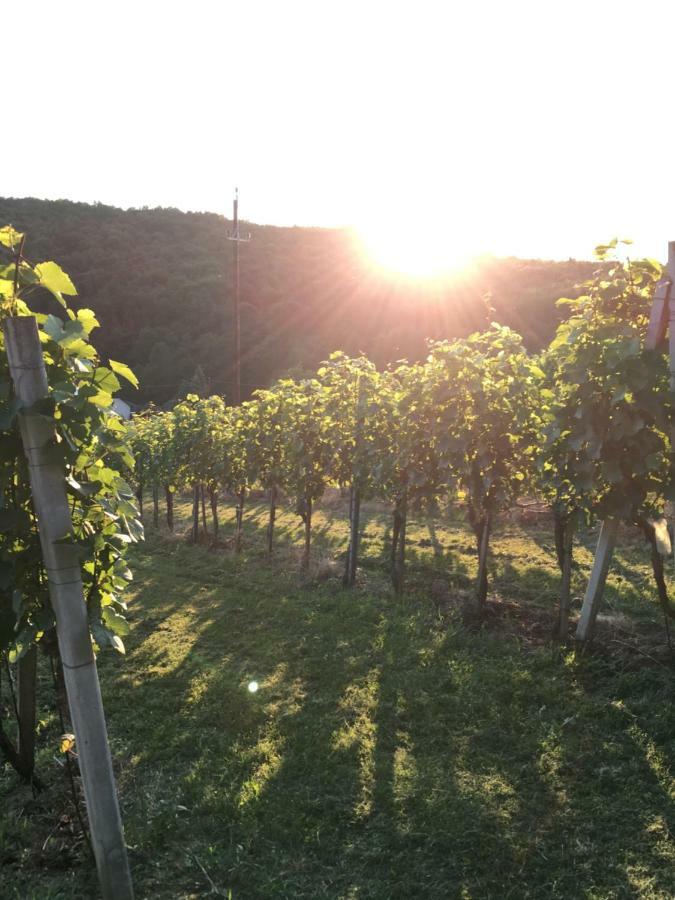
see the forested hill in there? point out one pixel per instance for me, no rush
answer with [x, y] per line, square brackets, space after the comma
[159, 281]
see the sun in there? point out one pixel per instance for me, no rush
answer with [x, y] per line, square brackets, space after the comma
[414, 253]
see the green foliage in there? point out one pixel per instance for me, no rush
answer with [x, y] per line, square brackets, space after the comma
[487, 405]
[92, 444]
[309, 450]
[351, 388]
[197, 434]
[268, 436]
[236, 439]
[407, 464]
[484, 420]
[606, 448]
[155, 448]
[124, 370]
[52, 277]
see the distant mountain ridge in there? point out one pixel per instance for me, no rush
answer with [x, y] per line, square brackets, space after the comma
[159, 281]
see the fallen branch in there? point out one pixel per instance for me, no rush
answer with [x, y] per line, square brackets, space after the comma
[641, 652]
[214, 888]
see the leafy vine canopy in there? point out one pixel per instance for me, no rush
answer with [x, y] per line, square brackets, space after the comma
[90, 441]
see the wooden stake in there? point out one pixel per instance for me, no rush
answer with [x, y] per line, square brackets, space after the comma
[195, 513]
[596, 583]
[483, 548]
[213, 499]
[239, 520]
[399, 557]
[61, 563]
[169, 507]
[566, 581]
[304, 563]
[671, 331]
[272, 518]
[202, 497]
[349, 578]
[26, 683]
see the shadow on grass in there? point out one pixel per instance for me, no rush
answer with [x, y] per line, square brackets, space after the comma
[388, 752]
[381, 757]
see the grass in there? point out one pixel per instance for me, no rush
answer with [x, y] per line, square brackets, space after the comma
[390, 751]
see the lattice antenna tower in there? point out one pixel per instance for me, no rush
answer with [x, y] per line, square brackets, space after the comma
[237, 238]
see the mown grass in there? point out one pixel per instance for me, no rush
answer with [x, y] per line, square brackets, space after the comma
[391, 750]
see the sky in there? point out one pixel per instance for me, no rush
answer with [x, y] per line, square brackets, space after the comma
[512, 127]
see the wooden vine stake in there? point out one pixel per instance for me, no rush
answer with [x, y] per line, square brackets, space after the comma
[662, 320]
[48, 487]
[349, 579]
[26, 683]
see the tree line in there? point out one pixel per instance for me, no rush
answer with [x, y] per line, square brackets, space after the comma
[160, 283]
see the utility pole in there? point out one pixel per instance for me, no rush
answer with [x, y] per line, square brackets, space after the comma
[236, 239]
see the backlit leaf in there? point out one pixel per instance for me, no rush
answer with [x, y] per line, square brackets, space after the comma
[10, 237]
[52, 277]
[123, 369]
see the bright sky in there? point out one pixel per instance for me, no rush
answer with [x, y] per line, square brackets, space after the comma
[528, 128]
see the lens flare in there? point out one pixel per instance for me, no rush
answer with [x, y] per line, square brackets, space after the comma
[391, 247]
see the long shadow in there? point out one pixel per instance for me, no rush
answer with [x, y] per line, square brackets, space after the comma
[450, 565]
[529, 582]
[509, 806]
[419, 809]
[326, 537]
[213, 741]
[380, 758]
[598, 777]
[526, 584]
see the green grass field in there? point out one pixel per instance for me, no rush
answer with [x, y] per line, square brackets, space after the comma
[391, 751]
